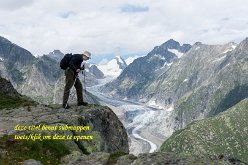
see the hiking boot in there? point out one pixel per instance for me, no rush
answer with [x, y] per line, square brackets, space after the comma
[83, 103]
[66, 106]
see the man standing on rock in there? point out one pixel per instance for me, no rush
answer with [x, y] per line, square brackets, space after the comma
[71, 77]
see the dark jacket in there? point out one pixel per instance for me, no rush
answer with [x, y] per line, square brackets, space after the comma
[75, 62]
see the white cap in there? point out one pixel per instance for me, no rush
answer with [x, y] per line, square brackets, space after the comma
[87, 54]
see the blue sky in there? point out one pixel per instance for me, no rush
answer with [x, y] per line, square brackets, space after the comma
[124, 27]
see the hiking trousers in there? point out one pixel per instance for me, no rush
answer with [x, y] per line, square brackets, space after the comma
[69, 80]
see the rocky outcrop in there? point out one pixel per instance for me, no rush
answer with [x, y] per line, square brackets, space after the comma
[77, 158]
[102, 129]
[10, 98]
[108, 133]
[96, 72]
[7, 88]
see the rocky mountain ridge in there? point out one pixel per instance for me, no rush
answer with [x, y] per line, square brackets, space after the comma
[132, 81]
[206, 80]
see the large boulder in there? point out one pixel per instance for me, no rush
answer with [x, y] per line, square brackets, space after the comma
[101, 130]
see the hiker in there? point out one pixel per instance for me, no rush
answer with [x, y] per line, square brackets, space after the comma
[71, 77]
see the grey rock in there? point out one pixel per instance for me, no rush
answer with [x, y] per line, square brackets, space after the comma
[7, 88]
[121, 62]
[161, 158]
[109, 134]
[126, 159]
[96, 158]
[32, 162]
[56, 55]
[71, 158]
[96, 72]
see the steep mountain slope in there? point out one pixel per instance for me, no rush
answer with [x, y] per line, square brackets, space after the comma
[225, 87]
[207, 81]
[14, 61]
[10, 98]
[135, 78]
[224, 134]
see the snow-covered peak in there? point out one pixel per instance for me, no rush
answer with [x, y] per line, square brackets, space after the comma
[122, 64]
[113, 67]
[176, 52]
[118, 58]
[129, 60]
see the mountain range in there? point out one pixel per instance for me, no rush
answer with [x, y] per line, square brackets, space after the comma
[38, 78]
[41, 77]
[199, 82]
[132, 81]
[109, 144]
[196, 81]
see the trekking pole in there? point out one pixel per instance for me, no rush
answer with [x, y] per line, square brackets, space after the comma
[70, 89]
[84, 82]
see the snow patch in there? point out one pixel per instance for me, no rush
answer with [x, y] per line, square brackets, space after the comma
[153, 103]
[170, 108]
[197, 48]
[176, 52]
[169, 64]
[165, 64]
[234, 46]
[230, 49]
[219, 59]
[186, 80]
[1, 59]
[159, 56]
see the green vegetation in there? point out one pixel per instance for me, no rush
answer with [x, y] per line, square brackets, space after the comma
[225, 134]
[47, 151]
[14, 102]
[233, 97]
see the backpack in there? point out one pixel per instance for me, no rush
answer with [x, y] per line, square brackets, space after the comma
[64, 63]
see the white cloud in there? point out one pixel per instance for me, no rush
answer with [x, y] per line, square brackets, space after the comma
[14, 4]
[120, 27]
